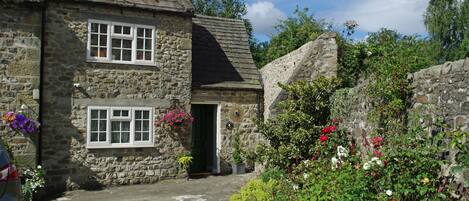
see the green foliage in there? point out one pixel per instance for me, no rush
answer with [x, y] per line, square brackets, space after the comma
[293, 32]
[447, 22]
[391, 56]
[32, 181]
[272, 174]
[458, 143]
[236, 149]
[184, 160]
[256, 190]
[293, 132]
[221, 8]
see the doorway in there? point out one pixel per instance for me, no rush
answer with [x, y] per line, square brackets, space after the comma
[204, 138]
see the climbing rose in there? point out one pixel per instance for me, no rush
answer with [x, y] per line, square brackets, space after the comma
[328, 129]
[323, 138]
[376, 141]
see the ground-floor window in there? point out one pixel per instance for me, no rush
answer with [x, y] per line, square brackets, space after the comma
[111, 127]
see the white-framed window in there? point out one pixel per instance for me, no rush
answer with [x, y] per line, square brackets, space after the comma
[115, 42]
[119, 127]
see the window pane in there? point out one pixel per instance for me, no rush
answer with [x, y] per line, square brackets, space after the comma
[148, 44]
[102, 136]
[138, 125]
[139, 55]
[115, 126]
[146, 114]
[116, 43]
[118, 29]
[94, 27]
[148, 33]
[115, 137]
[103, 28]
[127, 30]
[125, 126]
[140, 32]
[148, 55]
[94, 39]
[138, 136]
[102, 125]
[116, 54]
[116, 113]
[94, 52]
[102, 52]
[94, 137]
[103, 114]
[127, 43]
[103, 40]
[146, 136]
[125, 137]
[138, 114]
[127, 55]
[146, 125]
[94, 114]
[94, 125]
[125, 113]
[139, 43]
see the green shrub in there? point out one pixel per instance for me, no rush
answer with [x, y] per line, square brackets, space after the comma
[256, 190]
[293, 132]
[272, 174]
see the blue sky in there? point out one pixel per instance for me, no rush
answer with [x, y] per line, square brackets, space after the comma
[405, 16]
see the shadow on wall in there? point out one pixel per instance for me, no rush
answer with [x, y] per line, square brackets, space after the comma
[210, 64]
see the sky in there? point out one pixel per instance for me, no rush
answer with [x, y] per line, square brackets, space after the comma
[405, 16]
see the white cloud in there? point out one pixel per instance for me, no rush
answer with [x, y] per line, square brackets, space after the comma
[405, 16]
[263, 16]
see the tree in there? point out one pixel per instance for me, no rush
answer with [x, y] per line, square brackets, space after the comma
[292, 33]
[447, 22]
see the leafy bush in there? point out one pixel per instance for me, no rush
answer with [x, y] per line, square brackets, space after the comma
[32, 181]
[292, 132]
[256, 190]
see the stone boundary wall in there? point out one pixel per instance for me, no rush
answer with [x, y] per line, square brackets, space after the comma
[315, 58]
[438, 92]
[20, 50]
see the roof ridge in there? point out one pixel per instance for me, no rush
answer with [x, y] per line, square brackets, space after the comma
[218, 18]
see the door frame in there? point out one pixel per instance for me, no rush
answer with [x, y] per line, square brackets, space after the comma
[217, 170]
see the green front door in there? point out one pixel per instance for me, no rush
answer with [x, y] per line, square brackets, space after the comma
[203, 138]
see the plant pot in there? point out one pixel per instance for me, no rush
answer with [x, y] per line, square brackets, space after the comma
[238, 168]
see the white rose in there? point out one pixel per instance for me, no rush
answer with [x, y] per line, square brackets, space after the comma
[380, 163]
[295, 187]
[388, 192]
[374, 159]
[334, 162]
[305, 175]
[342, 151]
[39, 167]
[366, 166]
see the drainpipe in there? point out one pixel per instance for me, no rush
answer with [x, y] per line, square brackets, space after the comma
[41, 79]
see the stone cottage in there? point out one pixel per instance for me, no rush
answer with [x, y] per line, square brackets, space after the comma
[98, 74]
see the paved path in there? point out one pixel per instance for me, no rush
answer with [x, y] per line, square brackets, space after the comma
[205, 189]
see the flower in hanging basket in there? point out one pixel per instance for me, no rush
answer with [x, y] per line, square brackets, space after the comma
[175, 119]
[19, 122]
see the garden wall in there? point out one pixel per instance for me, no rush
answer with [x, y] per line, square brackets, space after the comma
[437, 92]
[20, 49]
[315, 58]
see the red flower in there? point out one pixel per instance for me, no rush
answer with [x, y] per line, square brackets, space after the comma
[328, 129]
[376, 141]
[377, 153]
[323, 138]
[334, 120]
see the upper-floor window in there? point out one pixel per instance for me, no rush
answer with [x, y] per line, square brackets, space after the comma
[114, 127]
[115, 42]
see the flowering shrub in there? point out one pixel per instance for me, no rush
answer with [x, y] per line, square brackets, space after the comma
[175, 119]
[20, 123]
[32, 181]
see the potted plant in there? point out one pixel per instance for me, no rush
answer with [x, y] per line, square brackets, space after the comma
[185, 161]
[176, 118]
[237, 166]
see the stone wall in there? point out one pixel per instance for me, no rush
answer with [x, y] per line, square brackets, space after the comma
[20, 50]
[315, 58]
[438, 93]
[67, 161]
[247, 104]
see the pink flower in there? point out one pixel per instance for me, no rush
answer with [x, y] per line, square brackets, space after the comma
[376, 141]
[377, 153]
[334, 120]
